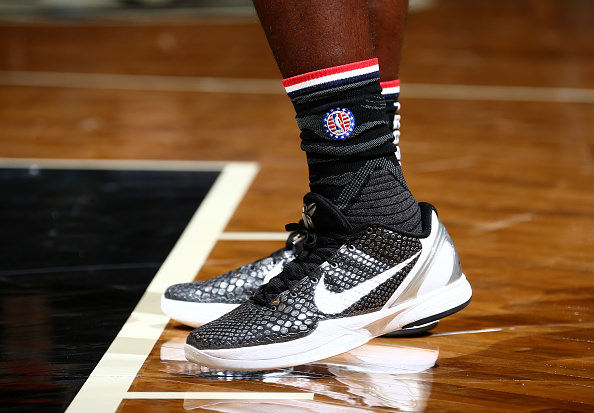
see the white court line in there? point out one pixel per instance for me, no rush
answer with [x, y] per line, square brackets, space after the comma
[109, 382]
[116, 164]
[254, 236]
[274, 87]
[505, 222]
[455, 333]
[142, 82]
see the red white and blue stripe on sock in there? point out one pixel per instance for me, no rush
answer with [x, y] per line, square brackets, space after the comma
[391, 89]
[332, 77]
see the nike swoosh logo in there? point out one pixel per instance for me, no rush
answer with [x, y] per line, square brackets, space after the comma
[333, 303]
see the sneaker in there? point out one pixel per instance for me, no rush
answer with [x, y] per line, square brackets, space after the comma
[345, 287]
[199, 302]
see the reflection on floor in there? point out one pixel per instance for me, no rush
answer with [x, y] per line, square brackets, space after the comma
[77, 251]
[372, 376]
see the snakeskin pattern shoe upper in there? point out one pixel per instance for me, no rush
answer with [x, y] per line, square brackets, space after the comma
[338, 272]
[233, 287]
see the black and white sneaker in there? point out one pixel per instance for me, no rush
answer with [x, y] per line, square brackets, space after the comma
[199, 302]
[345, 287]
[196, 303]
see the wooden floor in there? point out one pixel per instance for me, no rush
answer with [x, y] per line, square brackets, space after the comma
[497, 132]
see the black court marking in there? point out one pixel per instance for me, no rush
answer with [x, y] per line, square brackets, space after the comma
[77, 250]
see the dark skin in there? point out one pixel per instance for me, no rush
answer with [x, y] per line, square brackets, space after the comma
[316, 34]
[388, 19]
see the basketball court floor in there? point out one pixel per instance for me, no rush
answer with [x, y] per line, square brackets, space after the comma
[148, 143]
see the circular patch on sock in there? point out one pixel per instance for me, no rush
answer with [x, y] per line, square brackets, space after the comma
[339, 123]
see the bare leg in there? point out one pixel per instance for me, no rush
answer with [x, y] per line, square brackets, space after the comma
[313, 35]
[309, 38]
[388, 18]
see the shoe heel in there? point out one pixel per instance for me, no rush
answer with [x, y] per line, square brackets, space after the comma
[437, 304]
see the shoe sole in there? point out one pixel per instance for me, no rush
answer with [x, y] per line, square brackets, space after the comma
[336, 336]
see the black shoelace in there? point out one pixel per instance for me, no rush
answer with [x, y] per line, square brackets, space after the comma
[311, 250]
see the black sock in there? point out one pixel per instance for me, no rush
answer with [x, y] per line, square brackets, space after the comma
[349, 146]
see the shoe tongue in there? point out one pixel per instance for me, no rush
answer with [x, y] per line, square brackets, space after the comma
[324, 215]
[320, 215]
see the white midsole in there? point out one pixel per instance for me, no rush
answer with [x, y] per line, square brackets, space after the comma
[194, 314]
[335, 336]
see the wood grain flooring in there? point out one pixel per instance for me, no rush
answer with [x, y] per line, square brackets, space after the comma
[512, 179]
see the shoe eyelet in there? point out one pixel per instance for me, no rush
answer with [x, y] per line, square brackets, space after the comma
[333, 265]
[351, 247]
[293, 294]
